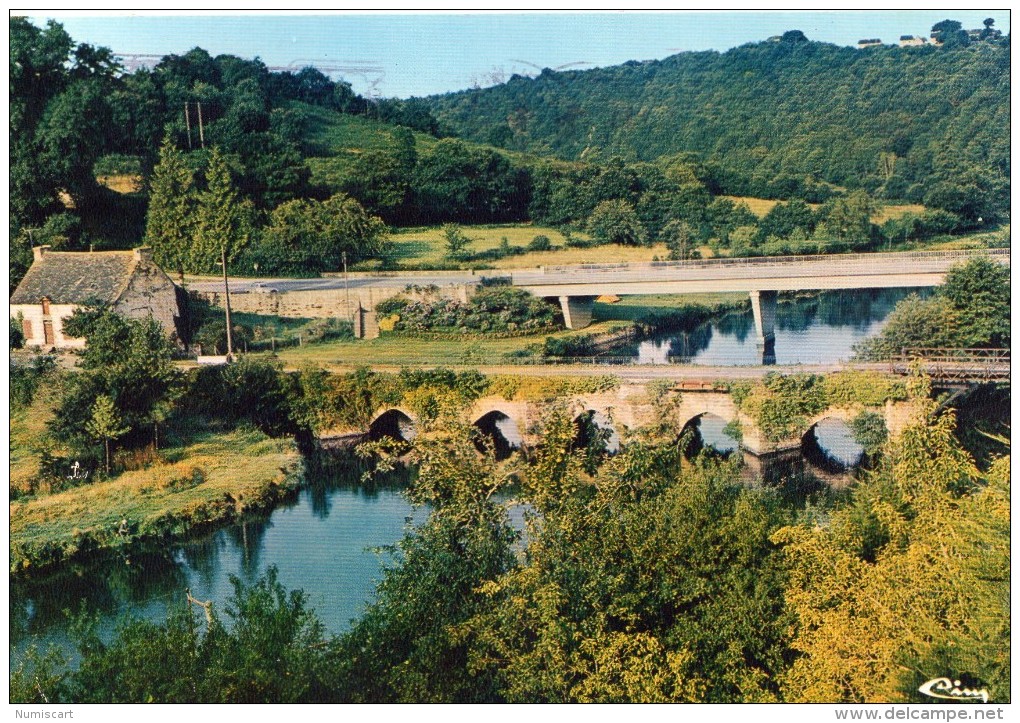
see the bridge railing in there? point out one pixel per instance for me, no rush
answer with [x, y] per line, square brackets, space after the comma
[952, 355]
[962, 365]
[901, 257]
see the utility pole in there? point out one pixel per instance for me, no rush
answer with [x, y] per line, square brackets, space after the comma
[187, 122]
[347, 290]
[226, 291]
[201, 135]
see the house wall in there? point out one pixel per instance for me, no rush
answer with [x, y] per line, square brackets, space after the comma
[58, 312]
[150, 292]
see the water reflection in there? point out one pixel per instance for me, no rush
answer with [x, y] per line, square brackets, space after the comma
[831, 445]
[815, 329]
[709, 432]
[326, 547]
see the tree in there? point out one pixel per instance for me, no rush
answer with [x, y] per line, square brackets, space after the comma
[456, 240]
[128, 361]
[680, 238]
[914, 323]
[73, 133]
[106, 424]
[169, 225]
[307, 236]
[614, 221]
[908, 581]
[979, 291]
[848, 219]
[224, 219]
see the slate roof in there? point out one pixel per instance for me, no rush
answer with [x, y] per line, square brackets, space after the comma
[74, 277]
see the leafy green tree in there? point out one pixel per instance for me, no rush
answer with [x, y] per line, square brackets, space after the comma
[979, 291]
[848, 219]
[72, 135]
[616, 222]
[914, 323]
[784, 219]
[456, 240]
[680, 238]
[106, 424]
[223, 220]
[169, 226]
[16, 336]
[129, 361]
[305, 236]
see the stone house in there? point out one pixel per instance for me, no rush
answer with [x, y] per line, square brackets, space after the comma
[58, 282]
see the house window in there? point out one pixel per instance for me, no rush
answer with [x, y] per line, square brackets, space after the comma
[45, 306]
[26, 328]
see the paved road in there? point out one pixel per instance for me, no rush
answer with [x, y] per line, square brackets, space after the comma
[254, 286]
[835, 271]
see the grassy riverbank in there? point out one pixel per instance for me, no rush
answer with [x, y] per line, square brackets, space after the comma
[392, 350]
[217, 477]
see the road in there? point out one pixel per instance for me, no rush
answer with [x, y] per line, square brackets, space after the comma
[253, 286]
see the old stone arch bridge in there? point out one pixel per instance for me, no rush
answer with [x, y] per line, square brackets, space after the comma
[627, 407]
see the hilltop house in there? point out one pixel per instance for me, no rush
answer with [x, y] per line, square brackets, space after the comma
[58, 282]
[907, 41]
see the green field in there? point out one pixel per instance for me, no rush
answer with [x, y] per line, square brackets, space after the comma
[424, 247]
[389, 350]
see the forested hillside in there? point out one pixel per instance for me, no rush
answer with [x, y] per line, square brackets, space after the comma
[293, 172]
[925, 124]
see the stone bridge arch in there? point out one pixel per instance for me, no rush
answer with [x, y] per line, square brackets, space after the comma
[588, 416]
[395, 422]
[697, 404]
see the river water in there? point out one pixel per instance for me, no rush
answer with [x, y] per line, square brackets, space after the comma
[330, 540]
[815, 329]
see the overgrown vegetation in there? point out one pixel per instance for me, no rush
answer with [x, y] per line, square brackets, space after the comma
[781, 406]
[969, 310]
[490, 309]
[647, 578]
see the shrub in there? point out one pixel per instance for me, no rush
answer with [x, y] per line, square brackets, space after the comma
[540, 243]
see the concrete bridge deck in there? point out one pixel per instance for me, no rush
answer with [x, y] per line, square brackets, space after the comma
[784, 273]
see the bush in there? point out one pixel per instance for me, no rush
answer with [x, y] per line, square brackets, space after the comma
[540, 243]
[493, 309]
[17, 336]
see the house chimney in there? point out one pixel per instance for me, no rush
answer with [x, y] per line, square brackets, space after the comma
[143, 253]
[38, 251]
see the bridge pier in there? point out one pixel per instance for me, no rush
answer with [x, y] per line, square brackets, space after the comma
[577, 311]
[763, 305]
[366, 323]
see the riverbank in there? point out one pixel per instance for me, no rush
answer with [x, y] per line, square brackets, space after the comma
[217, 477]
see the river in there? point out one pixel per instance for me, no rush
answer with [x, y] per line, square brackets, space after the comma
[810, 329]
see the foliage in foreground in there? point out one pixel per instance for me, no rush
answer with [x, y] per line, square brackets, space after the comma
[645, 577]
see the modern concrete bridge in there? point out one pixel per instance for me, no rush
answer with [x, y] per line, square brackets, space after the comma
[577, 287]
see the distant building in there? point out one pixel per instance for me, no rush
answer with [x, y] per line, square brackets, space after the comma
[869, 42]
[59, 282]
[907, 41]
